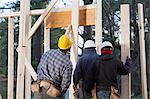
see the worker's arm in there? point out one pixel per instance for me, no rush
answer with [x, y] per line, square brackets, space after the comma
[66, 78]
[124, 69]
[41, 69]
[77, 73]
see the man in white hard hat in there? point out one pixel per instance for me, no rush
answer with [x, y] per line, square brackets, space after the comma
[86, 68]
[108, 69]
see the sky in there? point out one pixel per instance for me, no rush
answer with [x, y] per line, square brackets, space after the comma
[59, 4]
[2, 2]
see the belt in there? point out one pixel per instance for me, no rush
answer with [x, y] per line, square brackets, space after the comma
[107, 88]
[47, 83]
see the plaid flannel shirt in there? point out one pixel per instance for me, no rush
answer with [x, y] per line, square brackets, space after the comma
[55, 66]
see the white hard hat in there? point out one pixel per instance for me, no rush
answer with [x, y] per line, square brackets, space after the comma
[89, 44]
[106, 43]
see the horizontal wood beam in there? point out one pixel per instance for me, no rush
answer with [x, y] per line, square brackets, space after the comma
[40, 11]
[5, 15]
[63, 18]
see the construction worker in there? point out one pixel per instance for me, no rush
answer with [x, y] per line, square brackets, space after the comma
[108, 69]
[55, 70]
[85, 69]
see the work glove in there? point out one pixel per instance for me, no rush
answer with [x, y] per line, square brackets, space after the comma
[128, 63]
[76, 94]
[75, 88]
[35, 87]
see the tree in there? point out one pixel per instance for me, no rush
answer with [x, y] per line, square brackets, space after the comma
[147, 37]
[3, 56]
[3, 45]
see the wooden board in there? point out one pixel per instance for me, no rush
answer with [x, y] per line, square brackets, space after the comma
[23, 30]
[125, 49]
[41, 19]
[142, 51]
[27, 73]
[98, 25]
[10, 58]
[46, 37]
[74, 35]
[63, 19]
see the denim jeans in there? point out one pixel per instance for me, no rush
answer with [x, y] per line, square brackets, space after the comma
[103, 94]
[87, 95]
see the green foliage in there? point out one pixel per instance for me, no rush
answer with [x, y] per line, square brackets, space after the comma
[3, 89]
[3, 56]
[111, 19]
[55, 34]
[3, 43]
[36, 5]
[3, 70]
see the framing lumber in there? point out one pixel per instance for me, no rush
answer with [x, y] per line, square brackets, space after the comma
[40, 11]
[125, 49]
[23, 30]
[13, 14]
[74, 48]
[30, 69]
[25, 21]
[46, 37]
[10, 58]
[56, 19]
[75, 25]
[41, 18]
[98, 25]
[142, 51]
[69, 29]
[27, 73]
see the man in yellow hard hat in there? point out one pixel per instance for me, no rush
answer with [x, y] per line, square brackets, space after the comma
[55, 70]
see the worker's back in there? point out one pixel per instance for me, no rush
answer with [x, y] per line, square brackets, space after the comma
[108, 69]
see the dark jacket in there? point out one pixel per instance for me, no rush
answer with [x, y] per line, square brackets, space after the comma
[86, 69]
[108, 69]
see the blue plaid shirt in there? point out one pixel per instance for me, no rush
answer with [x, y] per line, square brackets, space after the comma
[55, 66]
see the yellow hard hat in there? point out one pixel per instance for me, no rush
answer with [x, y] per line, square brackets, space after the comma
[64, 42]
